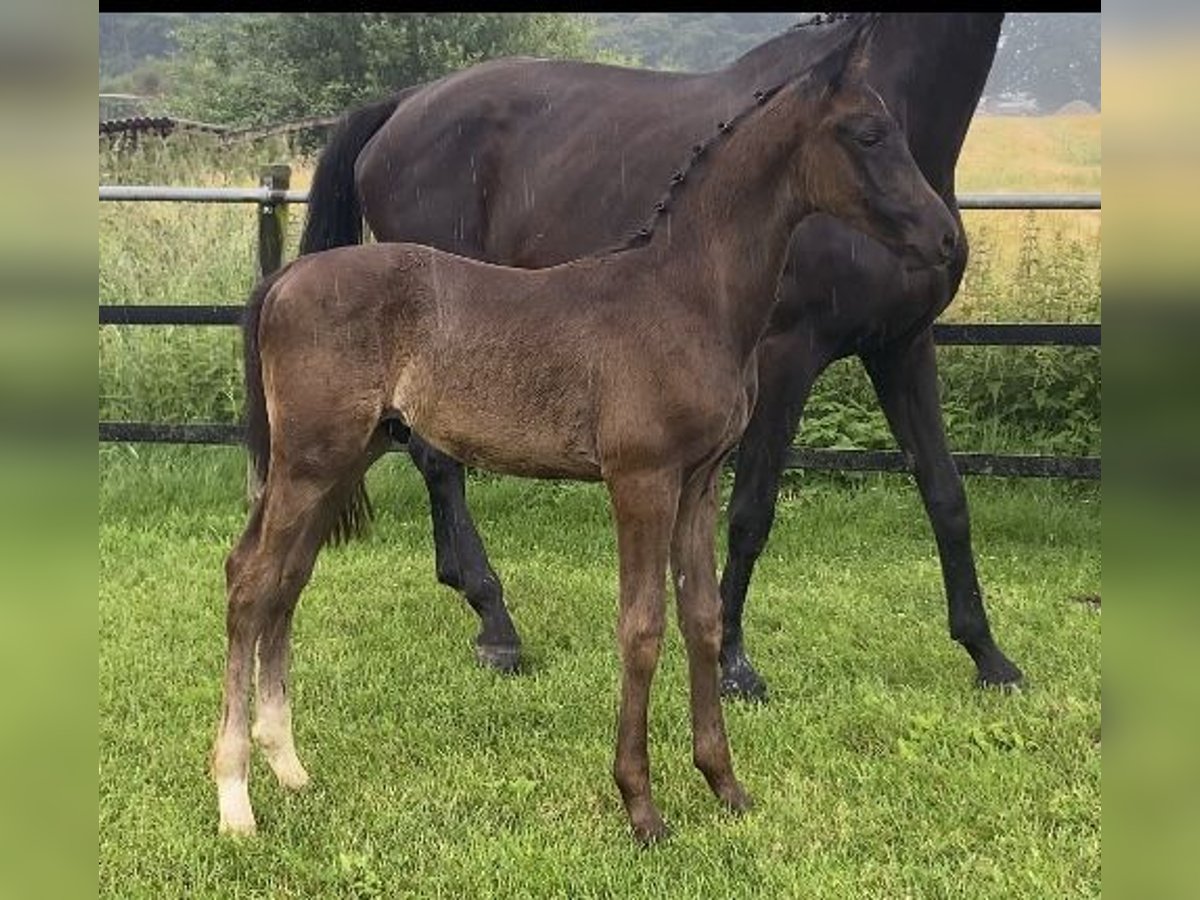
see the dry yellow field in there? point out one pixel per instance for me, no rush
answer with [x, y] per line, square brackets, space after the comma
[1043, 153]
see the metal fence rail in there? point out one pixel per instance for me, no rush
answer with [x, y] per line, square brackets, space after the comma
[273, 197]
[974, 334]
[1029, 466]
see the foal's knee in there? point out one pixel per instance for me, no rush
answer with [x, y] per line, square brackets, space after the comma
[640, 644]
[701, 626]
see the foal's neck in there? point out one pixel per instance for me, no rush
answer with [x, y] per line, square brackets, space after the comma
[725, 238]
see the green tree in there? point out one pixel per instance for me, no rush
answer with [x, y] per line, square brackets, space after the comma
[690, 42]
[255, 69]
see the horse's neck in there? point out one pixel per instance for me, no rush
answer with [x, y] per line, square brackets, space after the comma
[780, 58]
[727, 234]
[930, 69]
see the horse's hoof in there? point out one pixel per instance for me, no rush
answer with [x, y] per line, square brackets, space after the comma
[999, 672]
[237, 824]
[650, 831]
[290, 773]
[737, 801]
[501, 658]
[236, 814]
[739, 681]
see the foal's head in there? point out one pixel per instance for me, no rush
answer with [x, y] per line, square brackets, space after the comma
[855, 163]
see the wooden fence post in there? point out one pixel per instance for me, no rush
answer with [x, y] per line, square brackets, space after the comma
[272, 232]
[272, 220]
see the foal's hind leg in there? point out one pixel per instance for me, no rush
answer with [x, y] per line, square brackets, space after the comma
[698, 605]
[251, 583]
[272, 729]
[266, 572]
[462, 562]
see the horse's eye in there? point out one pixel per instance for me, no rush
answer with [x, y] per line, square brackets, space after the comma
[868, 138]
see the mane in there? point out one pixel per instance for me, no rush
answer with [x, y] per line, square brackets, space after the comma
[701, 151]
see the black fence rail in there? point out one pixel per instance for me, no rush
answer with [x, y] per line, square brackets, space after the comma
[273, 196]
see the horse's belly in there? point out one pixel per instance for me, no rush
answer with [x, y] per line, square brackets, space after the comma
[526, 440]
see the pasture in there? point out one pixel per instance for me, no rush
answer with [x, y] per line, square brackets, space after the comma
[877, 769]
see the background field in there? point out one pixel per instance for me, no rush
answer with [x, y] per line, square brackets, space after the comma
[879, 771]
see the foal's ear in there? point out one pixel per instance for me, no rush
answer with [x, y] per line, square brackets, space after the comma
[856, 66]
[854, 69]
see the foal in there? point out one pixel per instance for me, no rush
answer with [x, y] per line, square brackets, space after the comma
[646, 387]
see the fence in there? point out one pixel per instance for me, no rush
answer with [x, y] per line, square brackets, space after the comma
[273, 197]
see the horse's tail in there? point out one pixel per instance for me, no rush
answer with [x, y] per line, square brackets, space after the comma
[334, 214]
[258, 430]
[355, 516]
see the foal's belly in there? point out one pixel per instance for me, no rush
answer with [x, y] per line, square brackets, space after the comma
[510, 452]
[498, 427]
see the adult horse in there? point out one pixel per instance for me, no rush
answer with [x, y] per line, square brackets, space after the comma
[532, 163]
[635, 367]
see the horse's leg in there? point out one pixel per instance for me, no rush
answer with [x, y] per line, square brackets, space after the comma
[265, 573]
[272, 729]
[250, 584]
[462, 562]
[786, 371]
[258, 585]
[644, 509]
[905, 379]
[698, 604]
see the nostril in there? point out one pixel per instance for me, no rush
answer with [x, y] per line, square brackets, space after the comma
[949, 242]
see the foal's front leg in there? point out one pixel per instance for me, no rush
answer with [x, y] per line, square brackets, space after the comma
[693, 565]
[644, 508]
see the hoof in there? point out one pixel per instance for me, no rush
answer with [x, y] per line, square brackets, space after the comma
[504, 659]
[289, 773]
[739, 681]
[237, 828]
[1014, 686]
[999, 672]
[237, 818]
[649, 832]
[736, 800]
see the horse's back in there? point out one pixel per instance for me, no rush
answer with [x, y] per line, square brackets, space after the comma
[498, 162]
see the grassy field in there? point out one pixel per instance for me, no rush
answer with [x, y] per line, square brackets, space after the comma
[878, 769]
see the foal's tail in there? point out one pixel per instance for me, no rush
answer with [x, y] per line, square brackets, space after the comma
[354, 517]
[258, 430]
[334, 213]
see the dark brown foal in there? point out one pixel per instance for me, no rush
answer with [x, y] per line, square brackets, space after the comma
[647, 387]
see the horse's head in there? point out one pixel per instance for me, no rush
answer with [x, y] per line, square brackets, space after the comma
[855, 163]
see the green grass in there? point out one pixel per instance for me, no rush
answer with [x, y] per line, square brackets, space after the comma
[878, 769]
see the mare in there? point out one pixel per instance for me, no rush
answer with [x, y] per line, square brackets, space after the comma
[646, 385]
[532, 163]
